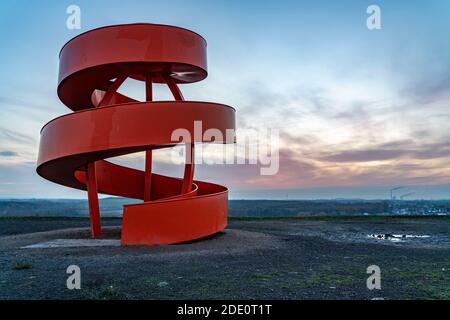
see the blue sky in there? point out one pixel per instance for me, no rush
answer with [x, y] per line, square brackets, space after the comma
[359, 110]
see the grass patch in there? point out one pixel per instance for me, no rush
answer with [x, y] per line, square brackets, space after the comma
[332, 280]
[267, 275]
[423, 280]
[105, 292]
[342, 218]
[22, 266]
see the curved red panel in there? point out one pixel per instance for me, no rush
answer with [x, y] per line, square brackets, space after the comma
[106, 124]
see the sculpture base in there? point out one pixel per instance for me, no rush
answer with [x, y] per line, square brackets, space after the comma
[174, 221]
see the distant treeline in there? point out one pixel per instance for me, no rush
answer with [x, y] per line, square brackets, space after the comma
[112, 207]
[285, 208]
[59, 207]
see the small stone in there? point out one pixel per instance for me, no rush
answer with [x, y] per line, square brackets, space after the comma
[163, 284]
[332, 287]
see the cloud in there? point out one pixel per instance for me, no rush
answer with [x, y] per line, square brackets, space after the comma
[21, 180]
[20, 103]
[8, 153]
[431, 85]
[17, 137]
[364, 155]
[391, 151]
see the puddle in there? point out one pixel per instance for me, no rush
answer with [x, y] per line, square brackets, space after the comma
[396, 237]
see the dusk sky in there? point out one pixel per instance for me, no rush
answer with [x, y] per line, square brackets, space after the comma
[359, 111]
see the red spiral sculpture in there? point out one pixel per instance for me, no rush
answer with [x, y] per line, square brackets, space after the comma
[107, 124]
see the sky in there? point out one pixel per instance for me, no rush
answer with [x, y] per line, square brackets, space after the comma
[358, 111]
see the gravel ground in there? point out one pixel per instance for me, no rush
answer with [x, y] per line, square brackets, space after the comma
[252, 259]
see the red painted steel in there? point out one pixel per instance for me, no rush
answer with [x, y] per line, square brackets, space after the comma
[106, 124]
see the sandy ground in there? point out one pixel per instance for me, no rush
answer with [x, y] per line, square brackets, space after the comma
[251, 259]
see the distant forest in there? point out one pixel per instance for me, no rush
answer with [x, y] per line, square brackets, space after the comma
[293, 208]
[112, 207]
